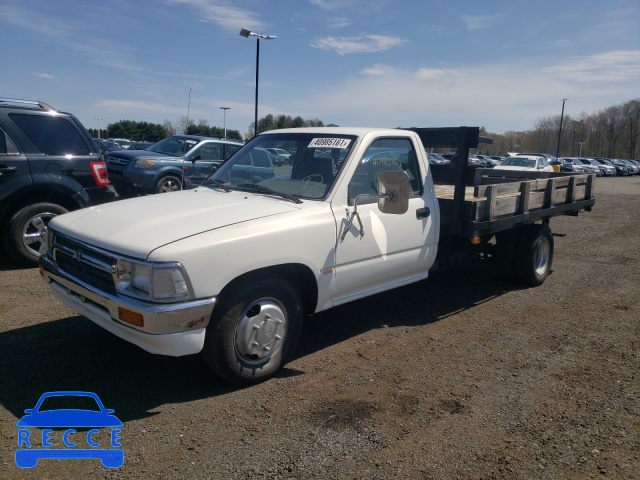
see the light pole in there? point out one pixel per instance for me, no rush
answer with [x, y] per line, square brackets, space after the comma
[560, 131]
[225, 119]
[245, 32]
[98, 118]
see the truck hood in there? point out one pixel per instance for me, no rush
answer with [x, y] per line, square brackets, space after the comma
[137, 226]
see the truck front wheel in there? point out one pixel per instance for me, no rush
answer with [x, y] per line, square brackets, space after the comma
[534, 255]
[254, 329]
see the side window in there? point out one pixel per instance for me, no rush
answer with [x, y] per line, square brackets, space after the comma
[244, 160]
[385, 154]
[260, 158]
[210, 151]
[544, 162]
[7, 147]
[230, 149]
[52, 135]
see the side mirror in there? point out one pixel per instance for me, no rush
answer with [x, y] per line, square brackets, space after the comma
[394, 185]
[393, 197]
[195, 158]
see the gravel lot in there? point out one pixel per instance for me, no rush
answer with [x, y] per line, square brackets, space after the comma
[458, 376]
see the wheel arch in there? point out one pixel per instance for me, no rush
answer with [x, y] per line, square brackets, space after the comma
[300, 276]
[26, 197]
[168, 171]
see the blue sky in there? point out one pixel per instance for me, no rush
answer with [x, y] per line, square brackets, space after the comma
[500, 64]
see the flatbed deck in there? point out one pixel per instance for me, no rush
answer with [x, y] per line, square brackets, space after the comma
[482, 201]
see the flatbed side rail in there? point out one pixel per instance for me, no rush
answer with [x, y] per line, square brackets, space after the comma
[501, 199]
[492, 201]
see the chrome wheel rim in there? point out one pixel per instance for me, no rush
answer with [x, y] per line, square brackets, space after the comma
[542, 255]
[169, 186]
[34, 231]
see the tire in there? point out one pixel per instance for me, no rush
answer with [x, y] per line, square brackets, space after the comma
[504, 258]
[534, 255]
[25, 232]
[126, 192]
[169, 183]
[254, 330]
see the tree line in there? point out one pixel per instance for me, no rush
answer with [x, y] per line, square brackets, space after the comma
[152, 132]
[138, 131]
[613, 132]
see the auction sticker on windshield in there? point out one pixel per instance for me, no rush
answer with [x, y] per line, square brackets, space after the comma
[330, 142]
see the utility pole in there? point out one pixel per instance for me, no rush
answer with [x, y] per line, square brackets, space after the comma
[225, 119]
[560, 131]
[98, 118]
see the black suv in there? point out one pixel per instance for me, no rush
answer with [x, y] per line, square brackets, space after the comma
[174, 163]
[49, 165]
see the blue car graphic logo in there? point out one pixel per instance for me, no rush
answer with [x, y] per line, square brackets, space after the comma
[63, 425]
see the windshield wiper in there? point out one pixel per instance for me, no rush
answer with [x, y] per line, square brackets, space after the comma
[263, 189]
[217, 183]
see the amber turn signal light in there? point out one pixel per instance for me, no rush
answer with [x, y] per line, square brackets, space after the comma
[130, 317]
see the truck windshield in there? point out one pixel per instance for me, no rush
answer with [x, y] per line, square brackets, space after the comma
[300, 165]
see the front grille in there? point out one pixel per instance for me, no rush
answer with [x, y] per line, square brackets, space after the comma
[83, 262]
[117, 160]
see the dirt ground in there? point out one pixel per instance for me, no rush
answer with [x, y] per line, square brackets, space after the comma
[458, 376]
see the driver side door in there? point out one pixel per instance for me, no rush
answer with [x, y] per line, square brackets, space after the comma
[394, 249]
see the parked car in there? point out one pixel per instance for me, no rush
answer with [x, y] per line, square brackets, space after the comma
[586, 166]
[525, 163]
[577, 166]
[486, 160]
[636, 163]
[177, 162]
[605, 162]
[279, 156]
[437, 159]
[621, 167]
[106, 146]
[123, 142]
[140, 145]
[605, 170]
[564, 166]
[475, 161]
[633, 168]
[252, 167]
[49, 165]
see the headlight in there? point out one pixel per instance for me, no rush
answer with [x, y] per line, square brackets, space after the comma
[144, 163]
[153, 282]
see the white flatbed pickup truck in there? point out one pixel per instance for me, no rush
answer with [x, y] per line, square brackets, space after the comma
[230, 268]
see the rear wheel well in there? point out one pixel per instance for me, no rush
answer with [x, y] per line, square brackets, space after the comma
[300, 276]
[29, 197]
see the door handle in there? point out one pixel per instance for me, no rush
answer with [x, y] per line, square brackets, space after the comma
[4, 170]
[423, 213]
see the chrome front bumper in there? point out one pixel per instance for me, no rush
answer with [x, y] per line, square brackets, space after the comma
[173, 329]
